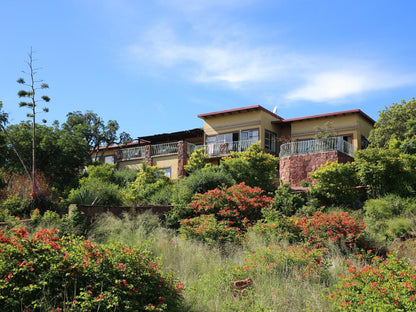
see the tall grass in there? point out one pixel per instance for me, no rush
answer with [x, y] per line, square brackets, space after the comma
[207, 272]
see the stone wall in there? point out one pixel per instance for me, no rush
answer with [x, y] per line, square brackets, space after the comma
[295, 168]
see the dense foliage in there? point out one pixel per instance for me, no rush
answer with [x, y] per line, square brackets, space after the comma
[254, 167]
[48, 272]
[391, 124]
[334, 184]
[385, 285]
[386, 172]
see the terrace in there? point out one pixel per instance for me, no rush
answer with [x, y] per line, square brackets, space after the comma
[225, 148]
[316, 146]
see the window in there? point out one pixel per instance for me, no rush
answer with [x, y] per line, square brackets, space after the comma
[109, 160]
[242, 135]
[167, 172]
[270, 140]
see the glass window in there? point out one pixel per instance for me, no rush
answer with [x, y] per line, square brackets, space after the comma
[109, 160]
[270, 140]
[167, 172]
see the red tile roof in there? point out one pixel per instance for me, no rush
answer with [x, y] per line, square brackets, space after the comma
[239, 110]
[353, 111]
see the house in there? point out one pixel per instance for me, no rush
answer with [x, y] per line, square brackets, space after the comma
[236, 129]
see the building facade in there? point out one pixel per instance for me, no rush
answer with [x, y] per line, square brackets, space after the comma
[236, 129]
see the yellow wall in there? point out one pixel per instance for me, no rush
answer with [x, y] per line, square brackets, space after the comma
[245, 120]
[135, 164]
[232, 122]
[169, 161]
[353, 125]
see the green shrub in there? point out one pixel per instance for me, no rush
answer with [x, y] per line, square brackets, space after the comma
[389, 217]
[16, 204]
[163, 196]
[254, 167]
[301, 261]
[200, 181]
[206, 228]
[95, 192]
[123, 177]
[334, 184]
[197, 161]
[287, 202]
[149, 181]
[73, 224]
[385, 285]
[386, 172]
[275, 227]
[48, 273]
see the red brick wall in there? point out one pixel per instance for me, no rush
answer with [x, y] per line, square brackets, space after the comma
[295, 168]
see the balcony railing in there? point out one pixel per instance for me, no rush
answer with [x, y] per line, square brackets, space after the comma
[221, 149]
[156, 150]
[132, 152]
[316, 146]
[212, 149]
[164, 149]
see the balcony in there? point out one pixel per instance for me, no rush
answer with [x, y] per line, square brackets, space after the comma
[224, 149]
[316, 146]
[132, 152]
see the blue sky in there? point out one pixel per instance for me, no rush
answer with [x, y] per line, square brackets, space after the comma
[155, 65]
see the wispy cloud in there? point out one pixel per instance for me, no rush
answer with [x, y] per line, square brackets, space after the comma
[238, 63]
[232, 63]
[333, 86]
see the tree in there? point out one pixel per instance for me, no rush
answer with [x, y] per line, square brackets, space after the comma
[325, 132]
[198, 160]
[408, 146]
[3, 123]
[32, 103]
[94, 130]
[391, 124]
[61, 155]
[386, 172]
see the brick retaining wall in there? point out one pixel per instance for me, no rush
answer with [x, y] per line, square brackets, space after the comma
[295, 168]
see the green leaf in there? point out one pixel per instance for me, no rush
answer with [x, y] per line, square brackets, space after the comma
[22, 93]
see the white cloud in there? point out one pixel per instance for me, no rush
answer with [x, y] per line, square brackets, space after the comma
[238, 64]
[233, 63]
[338, 85]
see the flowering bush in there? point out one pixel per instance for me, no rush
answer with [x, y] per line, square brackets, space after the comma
[386, 285]
[276, 226]
[223, 214]
[240, 204]
[48, 273]
[338, 227]
[300, 260]
[208, 229]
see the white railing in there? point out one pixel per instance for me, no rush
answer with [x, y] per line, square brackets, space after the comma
[316, 146]
[164, 149]
[132, 152]
[220, 149]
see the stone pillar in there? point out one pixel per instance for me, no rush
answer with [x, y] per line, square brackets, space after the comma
[182, 158]
[148, 155]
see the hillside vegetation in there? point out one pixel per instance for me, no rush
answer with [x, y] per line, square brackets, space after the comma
[235, 240]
